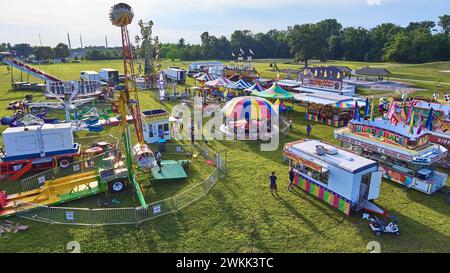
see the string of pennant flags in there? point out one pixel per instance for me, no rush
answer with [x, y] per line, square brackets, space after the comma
[242, 52]
[393, 116]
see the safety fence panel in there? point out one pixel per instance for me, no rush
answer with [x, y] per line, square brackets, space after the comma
[33, 212]
[112, 216]
[72, 216]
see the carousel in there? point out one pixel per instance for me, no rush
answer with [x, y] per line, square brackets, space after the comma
[250, 118]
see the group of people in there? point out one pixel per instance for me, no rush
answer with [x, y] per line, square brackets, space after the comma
[273, 182]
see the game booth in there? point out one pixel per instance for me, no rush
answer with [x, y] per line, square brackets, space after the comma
[155, 125]
[441, 122]
[405, 157]
[329, 109]
[342, 179]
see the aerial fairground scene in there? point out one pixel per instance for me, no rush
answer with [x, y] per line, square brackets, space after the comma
[245, 127]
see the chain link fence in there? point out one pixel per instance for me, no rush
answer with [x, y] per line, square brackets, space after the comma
[130, 215]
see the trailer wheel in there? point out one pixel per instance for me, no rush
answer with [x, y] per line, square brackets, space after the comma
[116, 185]
[65, 162]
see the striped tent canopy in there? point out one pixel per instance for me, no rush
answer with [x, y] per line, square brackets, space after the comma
[250, 108]
[274, 92]
[239, 85]
[221, 81]
[205, 78]
[255, 87]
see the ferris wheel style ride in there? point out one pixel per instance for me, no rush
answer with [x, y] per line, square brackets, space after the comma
[121, 15]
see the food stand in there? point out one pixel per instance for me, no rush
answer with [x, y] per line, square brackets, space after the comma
[406, 158]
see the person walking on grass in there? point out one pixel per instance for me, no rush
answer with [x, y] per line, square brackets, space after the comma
[273, 183]
[158, 160]
[308, 129]
[291, 179]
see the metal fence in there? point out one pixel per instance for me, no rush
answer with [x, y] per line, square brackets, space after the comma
[130, 215]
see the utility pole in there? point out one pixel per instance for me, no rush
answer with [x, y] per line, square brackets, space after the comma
[68, 39]
[40, 40]
[81, 42]
[106, 41]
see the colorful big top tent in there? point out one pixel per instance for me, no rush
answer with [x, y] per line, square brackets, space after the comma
[274, 92]
[249, 108]
[255, 87]
[239, 85]
[221, 81]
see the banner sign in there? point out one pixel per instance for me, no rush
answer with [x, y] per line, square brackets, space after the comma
[388, 136]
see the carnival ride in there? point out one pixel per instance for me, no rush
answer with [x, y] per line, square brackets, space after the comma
[68, 104]
[30, 70]
[250, 118]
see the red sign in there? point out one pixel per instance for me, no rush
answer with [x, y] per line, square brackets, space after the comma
[444, 141]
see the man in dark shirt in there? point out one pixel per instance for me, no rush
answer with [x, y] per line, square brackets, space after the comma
[273, 184]
[291, 178]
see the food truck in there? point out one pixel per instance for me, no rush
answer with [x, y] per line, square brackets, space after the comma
[340, 178]
[406, 158]
[326, 108]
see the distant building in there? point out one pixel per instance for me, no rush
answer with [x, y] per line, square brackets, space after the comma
[5, 54]
[371, 73]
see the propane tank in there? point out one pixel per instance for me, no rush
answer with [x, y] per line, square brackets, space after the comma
[143, 156]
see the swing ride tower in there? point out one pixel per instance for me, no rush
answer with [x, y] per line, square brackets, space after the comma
[139, 155]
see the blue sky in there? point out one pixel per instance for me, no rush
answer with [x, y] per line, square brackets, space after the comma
[22, 21]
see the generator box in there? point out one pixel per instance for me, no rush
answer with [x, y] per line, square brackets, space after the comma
[38, 140]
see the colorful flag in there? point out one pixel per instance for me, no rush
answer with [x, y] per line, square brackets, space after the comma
[372, 118]
[420, 124]
[391, 110]
[410, 111]
[367, 108]
[356, 112]
[411, 128]
[430, 119]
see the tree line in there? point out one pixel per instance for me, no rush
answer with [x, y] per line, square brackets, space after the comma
[25, 50]
[418, 42]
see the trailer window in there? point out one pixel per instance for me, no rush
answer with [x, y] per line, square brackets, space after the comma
[323, 177]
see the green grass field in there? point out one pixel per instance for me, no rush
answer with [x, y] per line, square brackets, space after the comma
[240, 214]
